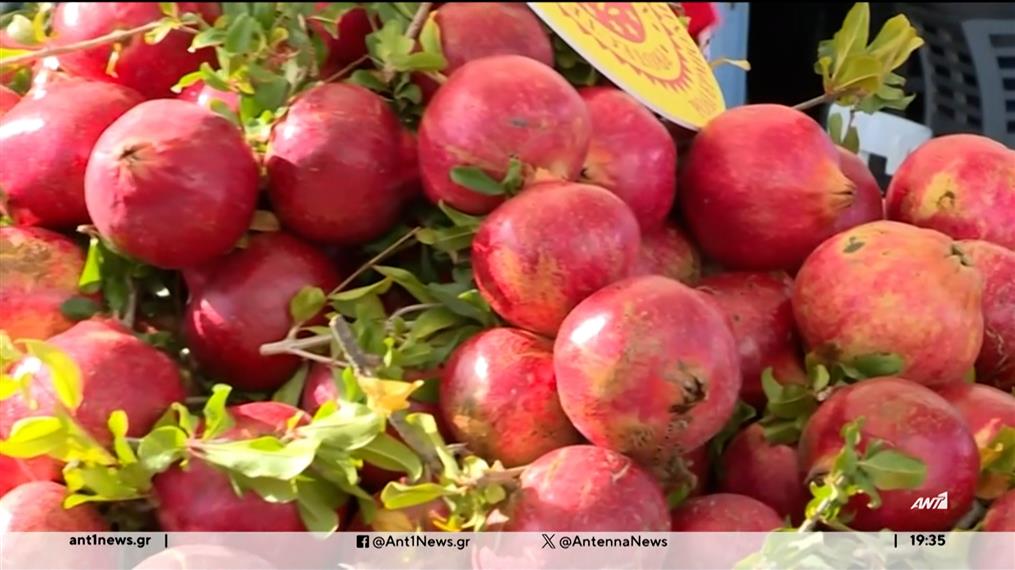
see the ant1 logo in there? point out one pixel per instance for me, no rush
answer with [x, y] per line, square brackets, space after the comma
[938, 503]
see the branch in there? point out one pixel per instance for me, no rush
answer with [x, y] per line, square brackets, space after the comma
[819, 100]
[389, 324]
[375, 260]
[343, 335]
[347, 69]
[418, 20]
[286, 346]
[109, 38]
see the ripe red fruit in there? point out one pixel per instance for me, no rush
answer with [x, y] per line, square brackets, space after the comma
[1000, 516]
[533, 269]
[911, 420]
[868, 205]
[245, 303]
[151, 69]
[38, 507]
[50, 137]
[764, 471]
[484, 116]
[474, 30]
[8, 99]
[762, 187]
[499, 395]
[200, 498]
[334, 165]
[996, 363]
[985, 409]
[349, 43]
[40, 272]
[631, 154]
[118, 372]
[203, 95]
[760, 315]
[697, 463]
[583, 488]
[724, 512]
[648, 367]
[856, 296]
[171, 184]
[960, 185]
[669, 253]
[14, 472]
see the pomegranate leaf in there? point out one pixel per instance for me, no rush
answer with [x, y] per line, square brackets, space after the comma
[399, 495]
[350, 426]
[103, 484]
[430, 37]
[216, 418]
[389, 453]
[477, 180]
[161, 448]
[318, 504]
[891, 470]
[78, 308]
[34, 437]
[264, 456]
[874, 365]
[118, 425]
[742, 414]
[407, 281]
[432, 321]
[269, 489]
[64, 374]
[292, 390]
[306, 303]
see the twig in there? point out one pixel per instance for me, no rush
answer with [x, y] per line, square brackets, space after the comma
[317, 357]
[437, 77]
[811, 522]
[346, 69]
[509, 476]
[374, 260]
[390, 323]
[418, 20]
[285, 346]
[109, 38]
[819, 100]
[130, 313]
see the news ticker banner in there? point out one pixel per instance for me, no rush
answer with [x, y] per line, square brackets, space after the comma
[507, 551]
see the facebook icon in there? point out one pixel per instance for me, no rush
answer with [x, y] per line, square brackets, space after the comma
[362, 541]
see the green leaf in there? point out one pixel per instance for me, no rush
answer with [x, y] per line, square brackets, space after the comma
[431, 321]
[859, 72]
[207, 38]
[318, 504]
[419, 61]
[820, 378]
[450, 295]
[271, 93]
[389, 41]
[475, 179]
[64, 373]
[184, 419]
[896, 41]
[307, 303]
[291, 392]
[367, 78]
[514, 178]
[79, 308]
[852, 37]
[379, 288]
[350, 427]
[262, 457]
[852, 140]
[186, 81]
[460, 219]
[34, 437]
[269, 489]
[400, 496]
[162, 447]
[240, 33]
[878, 364]
[169, 9]
[166, 26]
[835, 128]
[425, 429]
[430, 37]
[407, 281]
[494, 494]
[890, 470]
[388, 453]
[118, 425]
[216, 418]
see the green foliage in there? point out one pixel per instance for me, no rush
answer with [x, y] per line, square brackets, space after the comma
[742, 414]
[572, 66]
[858, 73]
[997, 465]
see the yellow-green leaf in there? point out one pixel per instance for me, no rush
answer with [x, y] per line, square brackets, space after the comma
[63, 372]
[34, 437]
[859, 72]
[895, 42]
[118, 425]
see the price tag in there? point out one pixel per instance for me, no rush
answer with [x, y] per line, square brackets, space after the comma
[644, 49]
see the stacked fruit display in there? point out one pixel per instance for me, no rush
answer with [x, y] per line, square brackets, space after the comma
[381, 267]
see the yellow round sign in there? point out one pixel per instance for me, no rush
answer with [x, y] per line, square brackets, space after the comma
[644, 49]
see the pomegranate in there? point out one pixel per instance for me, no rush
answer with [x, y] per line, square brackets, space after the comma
[856, 296]
[203, 95]
[118, 372]
[50, 137]
[760, 315]
[40, 272]
[533, 269]
[245, 303]
[171, 184]
[484, 116]
[348, 45]
[631, 154]
[669, 253]
[985, 409]
[868, 205]
[38, 507]
[697, 463]
[151, 69]
[647, 367]
[724, 512]
[996, 362]
[582, 488]
[8, 99]
[753, 467]
[1001, 515]
[499, 395]
[474, 30]
[200, 498]
[14, 472]
[960, 185]
[911, 420]
[337, 132]
[762, 187]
